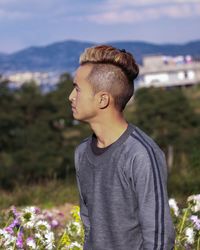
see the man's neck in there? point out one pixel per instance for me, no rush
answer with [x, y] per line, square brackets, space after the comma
[108, 131]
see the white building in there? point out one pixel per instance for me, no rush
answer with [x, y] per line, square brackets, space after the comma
[40, 78]
[165, 71]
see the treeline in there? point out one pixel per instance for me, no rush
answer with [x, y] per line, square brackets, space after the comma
[32, 133]
[172, 118]
[38, 134]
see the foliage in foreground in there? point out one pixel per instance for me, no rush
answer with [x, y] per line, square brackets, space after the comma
[187, 223]
[31, 228]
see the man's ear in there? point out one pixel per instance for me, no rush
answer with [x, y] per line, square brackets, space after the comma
[103, 100]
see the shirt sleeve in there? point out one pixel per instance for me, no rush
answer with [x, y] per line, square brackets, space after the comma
[83, 211]
[83, 207]
[149, 185]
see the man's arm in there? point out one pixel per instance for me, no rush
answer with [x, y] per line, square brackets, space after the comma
[83, 211]
[83, 208]
[149, 184]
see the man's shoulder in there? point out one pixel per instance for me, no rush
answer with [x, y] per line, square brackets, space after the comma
[143, 151]
[140, 142]
[83, 145]
[79, 151]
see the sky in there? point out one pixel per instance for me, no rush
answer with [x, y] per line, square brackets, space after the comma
[25, 23]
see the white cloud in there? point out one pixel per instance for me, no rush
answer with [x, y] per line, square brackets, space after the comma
[125, 3]
[23, 9]
[7, 2]
[140, 14]
[50, 10]
[111, 17]
[20, 3]
[13, 15]
[103, 12]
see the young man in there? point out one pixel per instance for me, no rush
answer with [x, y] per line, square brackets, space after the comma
[121, 172]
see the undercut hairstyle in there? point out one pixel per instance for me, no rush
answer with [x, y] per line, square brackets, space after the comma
[113, 70]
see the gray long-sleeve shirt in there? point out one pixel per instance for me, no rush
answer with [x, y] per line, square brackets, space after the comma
[123, 195]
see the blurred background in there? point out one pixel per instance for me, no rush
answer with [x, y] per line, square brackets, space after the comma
[40, 45]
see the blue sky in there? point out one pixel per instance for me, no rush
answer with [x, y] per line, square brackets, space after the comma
[25, 23]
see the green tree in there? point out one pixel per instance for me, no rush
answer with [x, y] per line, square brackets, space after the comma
[167, 116]
[32, 127]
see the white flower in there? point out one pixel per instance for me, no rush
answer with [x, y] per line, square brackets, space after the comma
[49, 240]
[31, 243]
[190, 235]
[2, 232]
[173, 206]
[7, 238]
[29, 217]
[38, 236]
[9, 248]
[196, 200]
[196, 221]
[75, 244]
[29, 209]
[42, 225]
[29, 224]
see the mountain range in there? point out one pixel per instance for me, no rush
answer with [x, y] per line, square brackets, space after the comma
[64, 56]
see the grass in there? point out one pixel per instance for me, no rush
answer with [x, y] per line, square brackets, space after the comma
[49, 194]
[46, 194]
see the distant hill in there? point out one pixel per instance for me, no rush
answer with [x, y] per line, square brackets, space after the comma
[64, 56]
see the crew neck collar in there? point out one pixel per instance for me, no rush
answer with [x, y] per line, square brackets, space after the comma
[95, 159]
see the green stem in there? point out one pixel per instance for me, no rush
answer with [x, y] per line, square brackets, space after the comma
[60, 241]
[198, 243]
[182, 225]
[183, 221]
[8, 222]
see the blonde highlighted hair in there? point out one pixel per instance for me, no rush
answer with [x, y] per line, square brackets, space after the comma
[113, 70]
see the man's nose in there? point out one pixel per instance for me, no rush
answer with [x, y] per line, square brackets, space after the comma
[71, 96]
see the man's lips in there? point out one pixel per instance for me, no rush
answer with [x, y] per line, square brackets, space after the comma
[73, 108]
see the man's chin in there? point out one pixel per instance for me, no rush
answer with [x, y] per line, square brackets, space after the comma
[77, 118]
[80, 119]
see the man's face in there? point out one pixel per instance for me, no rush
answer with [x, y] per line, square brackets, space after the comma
[82, 97]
